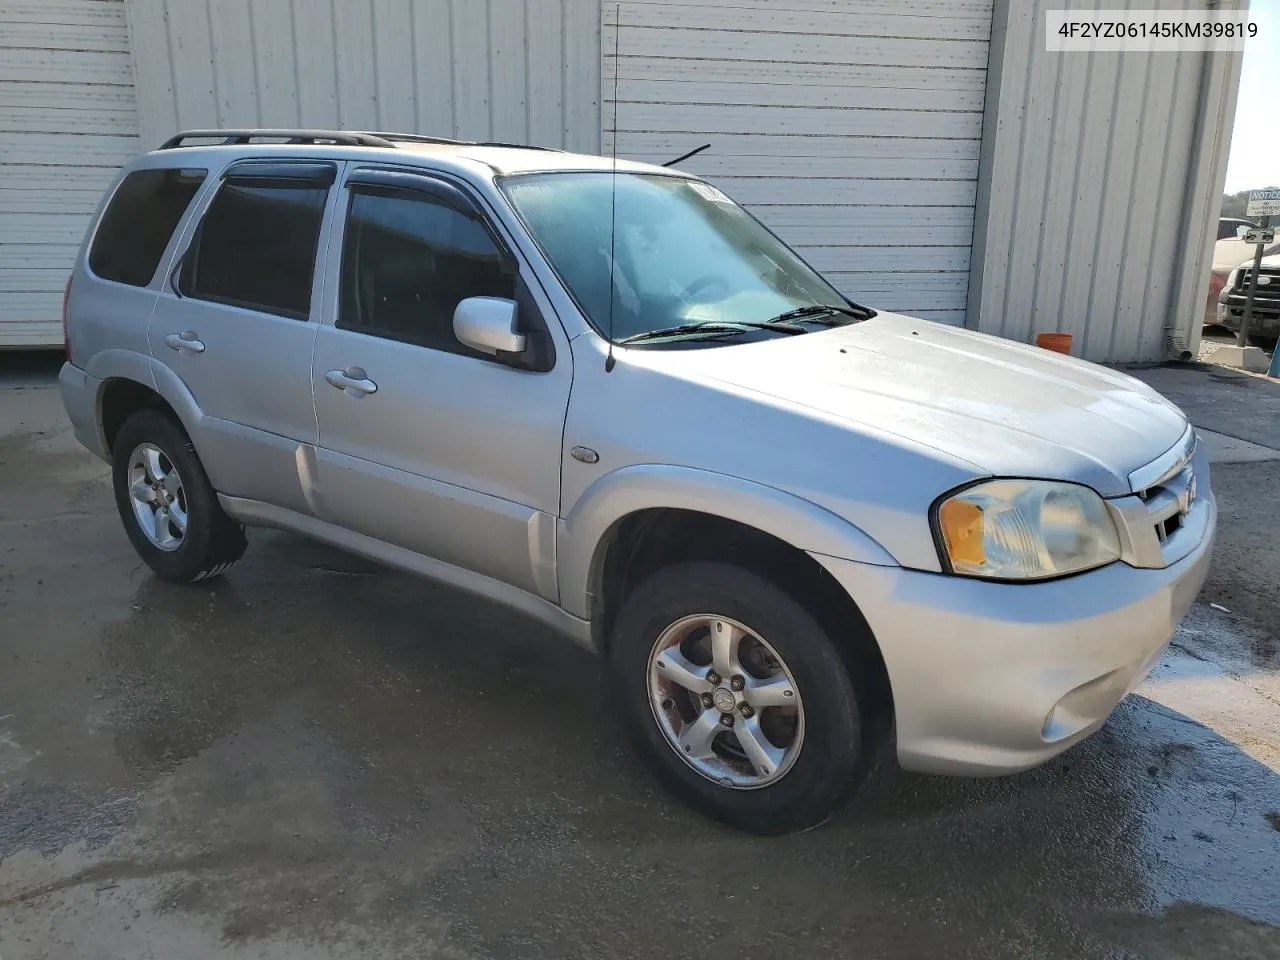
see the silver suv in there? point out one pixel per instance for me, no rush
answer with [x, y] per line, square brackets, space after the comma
[608, 397]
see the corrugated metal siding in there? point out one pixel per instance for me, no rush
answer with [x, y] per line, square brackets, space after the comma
[1101, 174]
[68, 120]
[518, 70]
[853, 132]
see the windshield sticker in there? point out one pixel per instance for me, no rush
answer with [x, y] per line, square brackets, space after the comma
[708, 192]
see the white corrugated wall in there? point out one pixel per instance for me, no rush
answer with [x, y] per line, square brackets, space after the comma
[517, 70]
[852, 130]
[67, 122]
[1100, 187]
[858, 133]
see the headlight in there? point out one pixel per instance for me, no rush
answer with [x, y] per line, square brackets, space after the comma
[1232, 279]
[1025, 530]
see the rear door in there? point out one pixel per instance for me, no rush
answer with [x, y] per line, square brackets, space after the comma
[235, 324]
[437, 448]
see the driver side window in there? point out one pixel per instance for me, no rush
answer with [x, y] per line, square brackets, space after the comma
[407, 261]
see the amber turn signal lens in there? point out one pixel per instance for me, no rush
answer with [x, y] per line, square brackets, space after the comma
[961, 524]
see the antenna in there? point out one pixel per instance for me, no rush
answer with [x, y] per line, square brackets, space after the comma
[613, 188]
[685, 156]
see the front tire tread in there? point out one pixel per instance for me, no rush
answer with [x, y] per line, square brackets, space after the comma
[837, 747]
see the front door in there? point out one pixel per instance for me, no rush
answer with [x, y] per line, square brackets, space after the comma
[423, 442]
[234, 325]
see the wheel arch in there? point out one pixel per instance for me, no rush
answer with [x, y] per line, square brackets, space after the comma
[120, 398]
[635, 519]
[130, 382]
[587, 531]
[647, 540]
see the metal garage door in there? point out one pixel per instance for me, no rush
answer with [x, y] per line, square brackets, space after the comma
[67, 122]
[854, 135]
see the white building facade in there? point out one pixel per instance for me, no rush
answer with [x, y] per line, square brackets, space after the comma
[929, 156]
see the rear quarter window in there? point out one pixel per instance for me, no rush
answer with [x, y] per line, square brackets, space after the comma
[138, 222]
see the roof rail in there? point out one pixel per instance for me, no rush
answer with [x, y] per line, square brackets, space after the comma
[416, 138]
[288, 136]
[419, 138]
[517, 146]
[344, 138]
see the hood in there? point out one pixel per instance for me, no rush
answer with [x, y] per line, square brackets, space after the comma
[1234, 252]
[1006, 408]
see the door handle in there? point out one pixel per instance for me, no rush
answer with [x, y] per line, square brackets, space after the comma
[184, 341]
[352, 381]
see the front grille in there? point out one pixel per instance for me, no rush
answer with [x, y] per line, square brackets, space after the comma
[1170, 501]
[1271, 289]
[1165, 518]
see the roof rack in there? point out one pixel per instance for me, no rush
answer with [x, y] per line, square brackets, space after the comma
[517, 146]
[419, 138]
[416, 138]
[340, 137]
[288, 136]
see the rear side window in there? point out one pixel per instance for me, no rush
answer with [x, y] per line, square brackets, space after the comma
[138, 222]
[256, 247]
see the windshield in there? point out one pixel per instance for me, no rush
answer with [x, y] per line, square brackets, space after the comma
[685, 253]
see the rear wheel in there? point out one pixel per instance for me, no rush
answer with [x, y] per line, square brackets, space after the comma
[740, 698]
[169, 509]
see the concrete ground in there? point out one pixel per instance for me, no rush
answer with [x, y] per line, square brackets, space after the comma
[318, 758]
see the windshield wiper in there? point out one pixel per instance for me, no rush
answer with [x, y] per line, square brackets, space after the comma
[815, 310]
[715, 327]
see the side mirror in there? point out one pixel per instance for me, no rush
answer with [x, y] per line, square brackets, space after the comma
[488, 324]
[1241, 230]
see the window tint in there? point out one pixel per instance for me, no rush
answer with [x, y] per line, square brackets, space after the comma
[408, 260]
[256, 248]
[138, 222]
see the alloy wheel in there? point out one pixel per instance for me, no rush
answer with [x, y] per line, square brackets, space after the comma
[725, 701]
[159, 501]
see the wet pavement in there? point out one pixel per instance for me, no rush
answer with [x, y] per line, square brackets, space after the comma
[318, 758]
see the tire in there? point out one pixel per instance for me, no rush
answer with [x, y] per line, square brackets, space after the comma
[831, 758]
[1263, 341]
[211, 541]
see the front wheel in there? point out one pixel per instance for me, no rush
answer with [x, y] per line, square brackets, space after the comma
[740, 698]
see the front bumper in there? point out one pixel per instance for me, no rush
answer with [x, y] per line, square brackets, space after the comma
[993, 678]
[1265, 321]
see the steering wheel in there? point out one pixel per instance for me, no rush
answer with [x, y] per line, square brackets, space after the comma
[704, 281]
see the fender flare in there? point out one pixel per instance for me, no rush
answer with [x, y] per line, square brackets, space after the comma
[118, 363]
[121, 364]
[175, 393]
[582, 535]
